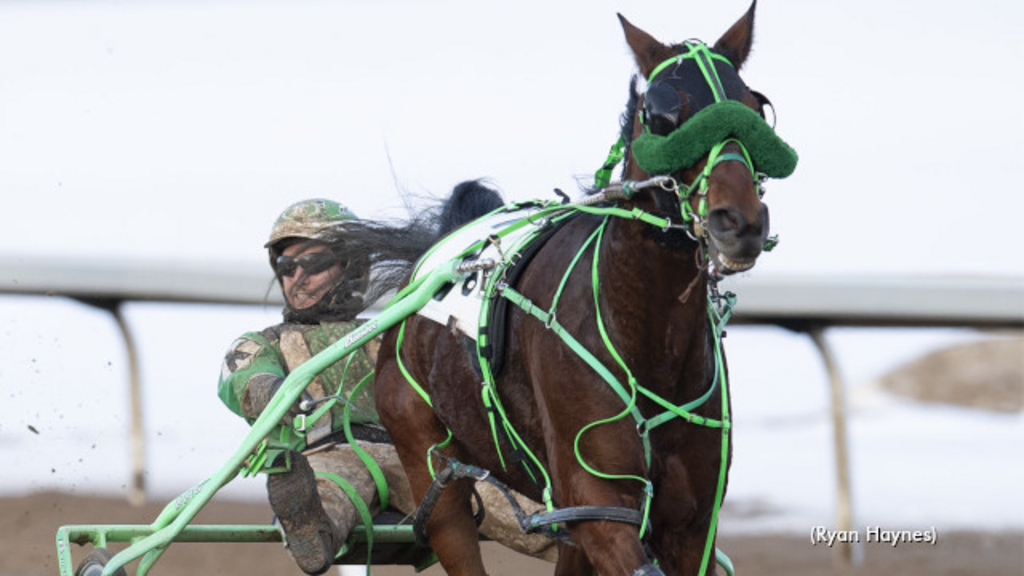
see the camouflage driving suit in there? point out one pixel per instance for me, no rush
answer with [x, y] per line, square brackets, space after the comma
[258, 360]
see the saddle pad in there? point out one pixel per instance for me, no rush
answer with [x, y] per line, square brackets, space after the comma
[459, 306]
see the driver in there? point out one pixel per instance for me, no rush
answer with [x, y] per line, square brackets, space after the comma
[318, 496]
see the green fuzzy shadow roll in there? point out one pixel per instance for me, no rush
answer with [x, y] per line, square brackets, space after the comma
[694, 139]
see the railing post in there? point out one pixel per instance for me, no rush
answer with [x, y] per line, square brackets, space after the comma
[137, 437]
[843, 554]
[137, 496]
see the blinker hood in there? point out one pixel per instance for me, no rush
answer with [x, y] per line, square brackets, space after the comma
[686, 145]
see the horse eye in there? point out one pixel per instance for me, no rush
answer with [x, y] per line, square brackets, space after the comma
[662, 105]
[662, 125]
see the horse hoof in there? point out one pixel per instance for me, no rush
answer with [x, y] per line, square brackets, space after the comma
[648, 570]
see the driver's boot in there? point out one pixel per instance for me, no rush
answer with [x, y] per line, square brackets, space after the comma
[310, 536]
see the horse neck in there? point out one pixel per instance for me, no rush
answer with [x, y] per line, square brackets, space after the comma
[655, 293]
[670, 254]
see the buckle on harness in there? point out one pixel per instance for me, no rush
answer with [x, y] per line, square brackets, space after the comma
[552, 318]
[641, 428]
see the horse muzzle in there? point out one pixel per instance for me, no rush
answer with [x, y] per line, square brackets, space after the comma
[733, 241]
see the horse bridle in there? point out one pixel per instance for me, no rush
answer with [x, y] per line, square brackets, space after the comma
[693, 72]
[677, 74]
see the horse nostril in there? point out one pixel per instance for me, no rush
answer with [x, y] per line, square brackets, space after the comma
[723, 221]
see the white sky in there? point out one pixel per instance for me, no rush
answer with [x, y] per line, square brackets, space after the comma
[179, 130]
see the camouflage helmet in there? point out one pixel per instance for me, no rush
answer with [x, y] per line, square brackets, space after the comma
[308, 219]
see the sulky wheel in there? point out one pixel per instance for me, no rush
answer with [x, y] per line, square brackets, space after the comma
[94, 562]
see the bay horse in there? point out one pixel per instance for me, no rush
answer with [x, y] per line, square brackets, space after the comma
[611, 402]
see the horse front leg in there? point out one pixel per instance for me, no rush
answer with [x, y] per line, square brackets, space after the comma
[610, 548]
[602, 546]
[450, 529]
[572, 561]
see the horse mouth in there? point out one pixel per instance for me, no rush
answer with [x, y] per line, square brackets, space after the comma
[727, 265]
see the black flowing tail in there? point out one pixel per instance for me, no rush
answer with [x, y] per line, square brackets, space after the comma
[469, 200]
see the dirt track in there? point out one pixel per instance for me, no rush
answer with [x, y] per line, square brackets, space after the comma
[29, 524]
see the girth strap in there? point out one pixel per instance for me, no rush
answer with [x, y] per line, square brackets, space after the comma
[453, 471]
[363, 432]
[537, 522]
[577, 513]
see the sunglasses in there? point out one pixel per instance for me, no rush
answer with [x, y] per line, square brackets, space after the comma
[311, 263]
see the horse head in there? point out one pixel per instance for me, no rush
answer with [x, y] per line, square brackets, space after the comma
[698, 122]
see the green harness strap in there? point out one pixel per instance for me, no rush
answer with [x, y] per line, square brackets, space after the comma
[717, 321]
[551, 322]
[704, 58]
[361, 508]
[489, 390]
[371, 465]
[700, 52]
[702, 183]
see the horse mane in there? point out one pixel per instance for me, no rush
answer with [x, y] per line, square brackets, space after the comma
[628, 118]
[626, 123]
[390, 248]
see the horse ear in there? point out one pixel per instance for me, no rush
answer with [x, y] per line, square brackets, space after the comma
[735, 44]
[647, 51]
